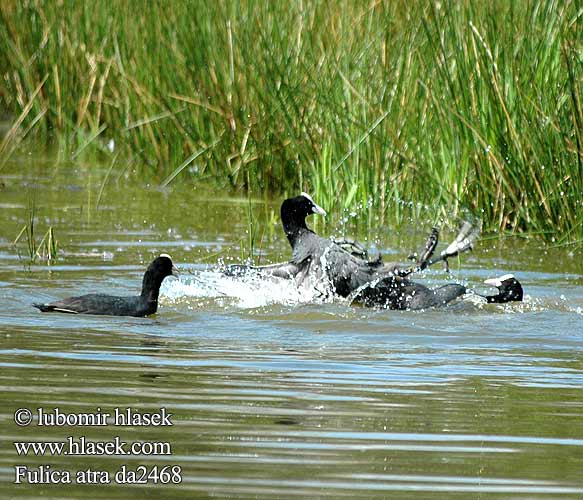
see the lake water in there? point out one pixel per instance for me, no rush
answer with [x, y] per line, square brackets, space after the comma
[273, 395]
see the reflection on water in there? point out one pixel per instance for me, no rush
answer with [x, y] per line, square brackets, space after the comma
[275, 395]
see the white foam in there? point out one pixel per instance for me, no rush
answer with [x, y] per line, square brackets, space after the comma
[474, 298]
[248, 291]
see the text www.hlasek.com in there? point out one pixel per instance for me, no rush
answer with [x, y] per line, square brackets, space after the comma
[82, 446]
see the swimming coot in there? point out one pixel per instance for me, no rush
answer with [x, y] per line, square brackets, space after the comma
[339, 268]
[316, 261]
[142, 305]
[395, 292]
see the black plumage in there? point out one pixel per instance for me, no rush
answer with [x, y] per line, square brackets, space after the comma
[144, 304]
[395, 292]
[321, 260]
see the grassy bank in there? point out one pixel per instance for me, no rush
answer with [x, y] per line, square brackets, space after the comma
[473, 105]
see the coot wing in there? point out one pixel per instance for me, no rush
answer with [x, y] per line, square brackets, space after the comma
[279, 270]
[395, 292]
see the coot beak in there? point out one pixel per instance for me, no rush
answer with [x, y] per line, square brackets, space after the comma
[175, 272]
[318, 210]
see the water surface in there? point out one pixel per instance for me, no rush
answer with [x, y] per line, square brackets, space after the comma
[274, 395]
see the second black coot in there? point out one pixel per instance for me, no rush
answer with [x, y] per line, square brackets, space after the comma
[144, 304]
[400, 293]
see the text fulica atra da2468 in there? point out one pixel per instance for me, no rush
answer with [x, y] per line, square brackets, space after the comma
[142, 305]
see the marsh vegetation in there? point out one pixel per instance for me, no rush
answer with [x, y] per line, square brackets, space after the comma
[458, 105]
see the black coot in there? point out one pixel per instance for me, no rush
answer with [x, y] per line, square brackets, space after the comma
[321, 260]
[142, 305]
[323, 263]
[394, 292]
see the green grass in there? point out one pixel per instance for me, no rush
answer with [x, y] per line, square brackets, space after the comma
[45, 249]
[465, 105]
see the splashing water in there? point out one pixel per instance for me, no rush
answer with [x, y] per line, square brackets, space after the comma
[254, 290]
[249, 290]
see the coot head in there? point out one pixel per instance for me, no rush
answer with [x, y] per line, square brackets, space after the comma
[160, 268]
[509, 289]
[163, 266]
[295, 210]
